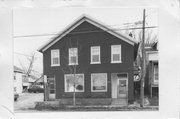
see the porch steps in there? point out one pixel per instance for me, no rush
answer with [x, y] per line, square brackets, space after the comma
[119, 102]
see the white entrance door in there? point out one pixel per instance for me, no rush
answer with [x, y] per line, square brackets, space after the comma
[119, 83]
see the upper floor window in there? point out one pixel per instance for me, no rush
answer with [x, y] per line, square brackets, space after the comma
[73, 56]
[55, 60]
[116, 54]
[95, 54]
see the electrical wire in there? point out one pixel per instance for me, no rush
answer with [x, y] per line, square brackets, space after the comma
[80, 32]
[25, 55]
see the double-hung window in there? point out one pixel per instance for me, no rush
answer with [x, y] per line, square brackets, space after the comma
[55, 59]
[73, 56]
[95, 55]
[116, 54]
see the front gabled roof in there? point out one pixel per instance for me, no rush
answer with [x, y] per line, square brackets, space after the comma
[92, 21]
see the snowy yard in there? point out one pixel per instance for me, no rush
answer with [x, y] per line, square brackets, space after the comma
[27, 101]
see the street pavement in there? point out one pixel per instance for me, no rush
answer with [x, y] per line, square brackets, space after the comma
[27, 101]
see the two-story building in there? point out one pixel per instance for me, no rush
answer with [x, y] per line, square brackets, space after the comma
[91, 59]
[152, 75]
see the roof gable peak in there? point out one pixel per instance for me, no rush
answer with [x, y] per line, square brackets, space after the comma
[89, 19]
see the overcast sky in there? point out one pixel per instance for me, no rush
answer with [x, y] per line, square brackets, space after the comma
[29, 22]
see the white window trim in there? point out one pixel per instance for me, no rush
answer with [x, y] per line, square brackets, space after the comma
[76, 58]
[112, 55]
[92, 83]
[52, 58]
[99, 55]
[65, 83]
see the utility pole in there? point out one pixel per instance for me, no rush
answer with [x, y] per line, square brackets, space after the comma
[143, 60]
[45, 88]
[74, 93]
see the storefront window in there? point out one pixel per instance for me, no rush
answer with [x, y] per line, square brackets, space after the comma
[99, 82]
[77, 82]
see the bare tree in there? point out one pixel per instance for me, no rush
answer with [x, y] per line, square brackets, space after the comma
[73, 69]
[150, 35]
[27, 69]
[150, 38]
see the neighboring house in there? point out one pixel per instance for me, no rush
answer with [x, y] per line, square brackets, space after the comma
[101, 58]
[31, 79]
[18, 75]
[152, 78]
[27, 81]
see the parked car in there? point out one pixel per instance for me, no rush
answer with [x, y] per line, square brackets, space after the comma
[16, 96]
[35, 89]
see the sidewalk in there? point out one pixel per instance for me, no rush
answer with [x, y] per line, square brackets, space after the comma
[52, 107]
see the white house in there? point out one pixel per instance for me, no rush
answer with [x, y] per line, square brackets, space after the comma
[18, 84]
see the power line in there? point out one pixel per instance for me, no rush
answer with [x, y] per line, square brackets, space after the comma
[22, 54]
[80, 32]
[25, 54]
[36, 35]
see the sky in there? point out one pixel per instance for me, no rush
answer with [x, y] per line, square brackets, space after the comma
[30, 22]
